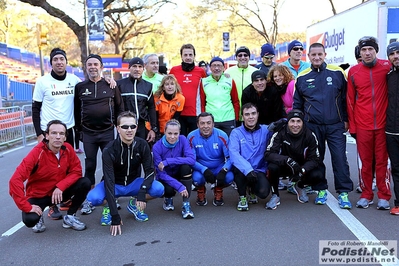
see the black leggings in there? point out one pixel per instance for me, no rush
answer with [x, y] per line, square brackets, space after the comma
[185, 177]
[79, 192]
[261, 188]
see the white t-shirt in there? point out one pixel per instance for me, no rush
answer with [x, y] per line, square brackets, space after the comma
[57, 98]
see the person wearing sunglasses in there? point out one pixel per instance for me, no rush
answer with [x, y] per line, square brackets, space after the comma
[294, 62]
[122, 161]
[320, 92]
[267, 54]
[367, 101]
[241, 73]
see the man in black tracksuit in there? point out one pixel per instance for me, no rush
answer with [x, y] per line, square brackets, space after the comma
[293, 151]
[96, 108]
[392, 126]
[138, 98]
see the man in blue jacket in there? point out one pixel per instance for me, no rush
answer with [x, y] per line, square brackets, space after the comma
[320, 92]
[212, 165]
[247, 147]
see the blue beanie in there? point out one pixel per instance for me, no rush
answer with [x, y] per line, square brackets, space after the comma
[293, 44]
[266, 49]
[216, 58]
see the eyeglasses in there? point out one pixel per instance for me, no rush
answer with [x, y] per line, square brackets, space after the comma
[216, 66]
[297, 48]
[242, 55]
[125, 127]
[268, 57]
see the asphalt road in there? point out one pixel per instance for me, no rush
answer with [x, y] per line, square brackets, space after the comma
[216, 236]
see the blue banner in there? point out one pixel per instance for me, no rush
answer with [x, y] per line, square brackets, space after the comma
[95, 20]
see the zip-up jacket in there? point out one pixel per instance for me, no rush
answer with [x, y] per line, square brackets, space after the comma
[302, 66]
[302, 147]
[242, 78]
[321, 94]
[392, 125]
[367, 96]
[211, 152]
[247, 148]
[44, 172]
[122, 165]
[96, 106]
[172, 159]
[269, 103]
[138, 98]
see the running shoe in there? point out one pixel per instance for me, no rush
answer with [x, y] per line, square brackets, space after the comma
[79, 151]
[301, 194]
[87, 208]
[395, 210]
[291, 188]
[186, 211]
[201, 196]
[168, 204]
[71, 221]
[218, 196]
[40, 226]
[118, 206]
[321, 198]
[282, 185]
[253, 199]
[273, 202]
[364, 203]
[242, 204]
[106, 217]
[343, 201]
[138, 214]
[383, 204]
[64, 206]
[54, 213]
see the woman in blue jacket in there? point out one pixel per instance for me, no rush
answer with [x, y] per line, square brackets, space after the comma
[173, 160]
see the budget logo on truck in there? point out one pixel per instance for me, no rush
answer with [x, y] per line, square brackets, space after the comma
[330, 39]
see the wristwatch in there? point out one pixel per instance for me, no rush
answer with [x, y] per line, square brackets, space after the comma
[155, 129]
[303, 171]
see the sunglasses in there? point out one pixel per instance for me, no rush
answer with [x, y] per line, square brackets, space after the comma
[268, 57]
[242, 55]
[128, 126]
[297, 48]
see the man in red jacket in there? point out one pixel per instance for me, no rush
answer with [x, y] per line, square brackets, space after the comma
[54, 174]
[367, 104]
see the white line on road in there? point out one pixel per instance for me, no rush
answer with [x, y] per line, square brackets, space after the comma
[353, 224]
[13, 229]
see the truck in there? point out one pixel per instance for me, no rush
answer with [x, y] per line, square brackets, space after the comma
[340, 33]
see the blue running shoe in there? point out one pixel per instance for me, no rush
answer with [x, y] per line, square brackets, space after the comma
[186, 211]
[321, 198]
[343, 201]
[106, 217]
[291, 188]
[138, 214]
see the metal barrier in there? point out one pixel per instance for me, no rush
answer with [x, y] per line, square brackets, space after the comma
[4, 86]
[16, 125]
[21, 91]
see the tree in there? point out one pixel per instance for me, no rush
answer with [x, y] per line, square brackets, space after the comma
[333, 6]
[253, 14]
[111, 9]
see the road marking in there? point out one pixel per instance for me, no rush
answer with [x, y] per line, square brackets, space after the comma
[353, 224]
[16, 149]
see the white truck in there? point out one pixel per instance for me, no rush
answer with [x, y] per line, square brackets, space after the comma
[340, 33]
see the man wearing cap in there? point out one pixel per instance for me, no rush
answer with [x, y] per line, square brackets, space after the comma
[294, 62]
[96, 108]
[53, 96]
[138, 98]
[392, 127]
[189, 77]
[241, 73]
[293, 151]
[151, 68]
[204, 66]
[320, 92]
[367, 105]
[267, 54]
[219, 97]
[266, 98]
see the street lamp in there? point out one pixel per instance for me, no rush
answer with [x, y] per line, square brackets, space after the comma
[41, 42]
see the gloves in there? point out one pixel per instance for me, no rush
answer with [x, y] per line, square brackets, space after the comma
[278, 125]
[353, 135]
[220, 178]
[252, 177]
[295, 167]
[209, 177]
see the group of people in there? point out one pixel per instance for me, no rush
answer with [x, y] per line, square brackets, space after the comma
[247, 125]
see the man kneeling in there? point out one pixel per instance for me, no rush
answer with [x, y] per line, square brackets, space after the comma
[293, 152]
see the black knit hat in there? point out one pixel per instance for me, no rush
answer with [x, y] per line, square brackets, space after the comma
[368, 41]
[136, 61]
[96, 56]
[56, 51]
[295, 113]
[258, 74]
[243, 49]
